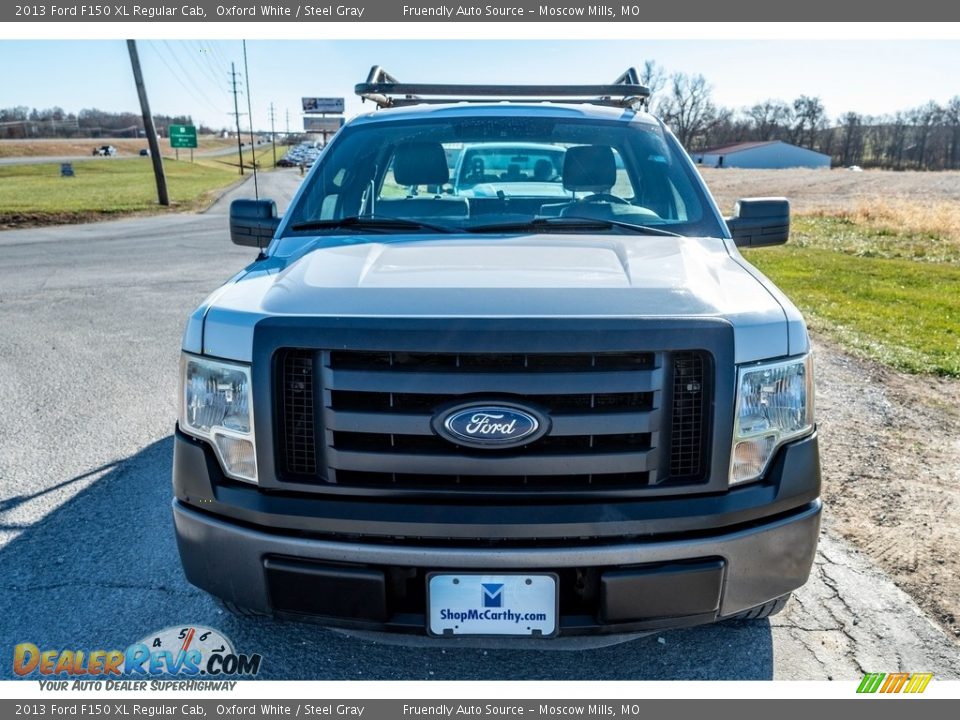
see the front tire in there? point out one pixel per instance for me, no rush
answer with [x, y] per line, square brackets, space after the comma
[238, 610]
[768, 609]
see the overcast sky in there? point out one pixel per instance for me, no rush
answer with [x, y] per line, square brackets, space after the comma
[191, 77]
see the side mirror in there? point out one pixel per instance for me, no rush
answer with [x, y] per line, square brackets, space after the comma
[758, 222]
[253, 222]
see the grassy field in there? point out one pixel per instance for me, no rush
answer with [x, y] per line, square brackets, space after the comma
[55, 147]
[873, 259]
[36, 194]
[903, 313]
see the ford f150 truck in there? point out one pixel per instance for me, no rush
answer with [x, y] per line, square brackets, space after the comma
[537, 414]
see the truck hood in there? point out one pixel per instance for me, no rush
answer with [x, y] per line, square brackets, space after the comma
[532, 276]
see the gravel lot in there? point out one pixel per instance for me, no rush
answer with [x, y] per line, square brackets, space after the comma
[810, 190]
[890, 447]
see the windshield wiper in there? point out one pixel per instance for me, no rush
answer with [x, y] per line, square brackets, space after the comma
[370, 224]
[572, 223]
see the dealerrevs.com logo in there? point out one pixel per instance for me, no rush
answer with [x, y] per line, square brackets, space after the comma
[187, 651]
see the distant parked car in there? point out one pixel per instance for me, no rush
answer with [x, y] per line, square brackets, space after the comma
[105, 151]
[501, 169]
[855, 168]
[144, 152]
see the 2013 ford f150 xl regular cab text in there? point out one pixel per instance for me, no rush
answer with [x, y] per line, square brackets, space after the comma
[562, 406]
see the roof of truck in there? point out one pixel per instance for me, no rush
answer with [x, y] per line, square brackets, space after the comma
[506, 109]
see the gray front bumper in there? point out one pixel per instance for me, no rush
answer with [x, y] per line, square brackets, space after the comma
[761, 562]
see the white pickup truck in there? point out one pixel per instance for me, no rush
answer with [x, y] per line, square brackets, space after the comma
[561, 407]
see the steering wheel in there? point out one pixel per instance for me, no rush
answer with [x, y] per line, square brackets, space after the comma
[606, 197]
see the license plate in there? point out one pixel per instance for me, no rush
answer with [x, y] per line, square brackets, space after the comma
[475, 604]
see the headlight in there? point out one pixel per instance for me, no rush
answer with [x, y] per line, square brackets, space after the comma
[215, 405]
[774, 404]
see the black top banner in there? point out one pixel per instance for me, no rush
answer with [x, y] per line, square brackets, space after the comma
[502, 11]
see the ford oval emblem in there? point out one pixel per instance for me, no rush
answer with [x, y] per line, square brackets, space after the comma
[490, 425]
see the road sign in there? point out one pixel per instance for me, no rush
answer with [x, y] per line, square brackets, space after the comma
[322, 124]
[323, 105]
[183, 136]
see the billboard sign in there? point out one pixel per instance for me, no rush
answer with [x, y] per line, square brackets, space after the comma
[322, 124]
[323, 105]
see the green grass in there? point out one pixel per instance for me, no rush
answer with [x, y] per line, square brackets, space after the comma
[34, 194]
[874, 240]
[264, 157]
[903, 313]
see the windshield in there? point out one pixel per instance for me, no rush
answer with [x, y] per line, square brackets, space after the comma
[503, 174]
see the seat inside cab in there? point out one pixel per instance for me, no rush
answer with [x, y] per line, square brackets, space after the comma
[415, 165]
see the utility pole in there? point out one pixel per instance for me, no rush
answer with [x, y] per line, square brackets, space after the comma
[236, 113]
[162, 197]
[273, 136]
[288, 124]
[253, 144]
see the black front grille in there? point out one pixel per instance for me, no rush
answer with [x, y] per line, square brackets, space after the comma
[364, 419]
[385, 402]
[299, 414]
[393, 442]
[608, 481]
[490, 362]
[688, 420]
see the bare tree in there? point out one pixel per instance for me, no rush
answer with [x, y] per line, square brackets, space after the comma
[851, 151]
[688, 109]
[951, 117]
[923, 119]
[898, 141]
[770, 119]
[653, 76]
[13, 121]
[730, 127]
[809, 118]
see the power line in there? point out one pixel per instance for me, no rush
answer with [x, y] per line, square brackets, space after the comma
[219, 57]
[218, 65]
[207, 66]
[199, 98]
[186, 73]
[189, 77]
[194, 49]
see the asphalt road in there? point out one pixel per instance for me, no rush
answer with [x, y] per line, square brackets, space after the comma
[90, 325]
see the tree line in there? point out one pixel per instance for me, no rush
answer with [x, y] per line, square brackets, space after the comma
[921, 138]
[24, 123]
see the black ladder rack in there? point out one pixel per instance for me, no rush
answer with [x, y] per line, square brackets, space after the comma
[386, 91]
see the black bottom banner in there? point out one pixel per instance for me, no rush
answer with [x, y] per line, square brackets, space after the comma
[784, 709]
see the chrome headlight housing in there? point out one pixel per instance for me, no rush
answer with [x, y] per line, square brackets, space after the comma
[774, 405]
[216, 405]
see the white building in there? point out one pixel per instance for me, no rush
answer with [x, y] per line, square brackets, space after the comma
[774, 154]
